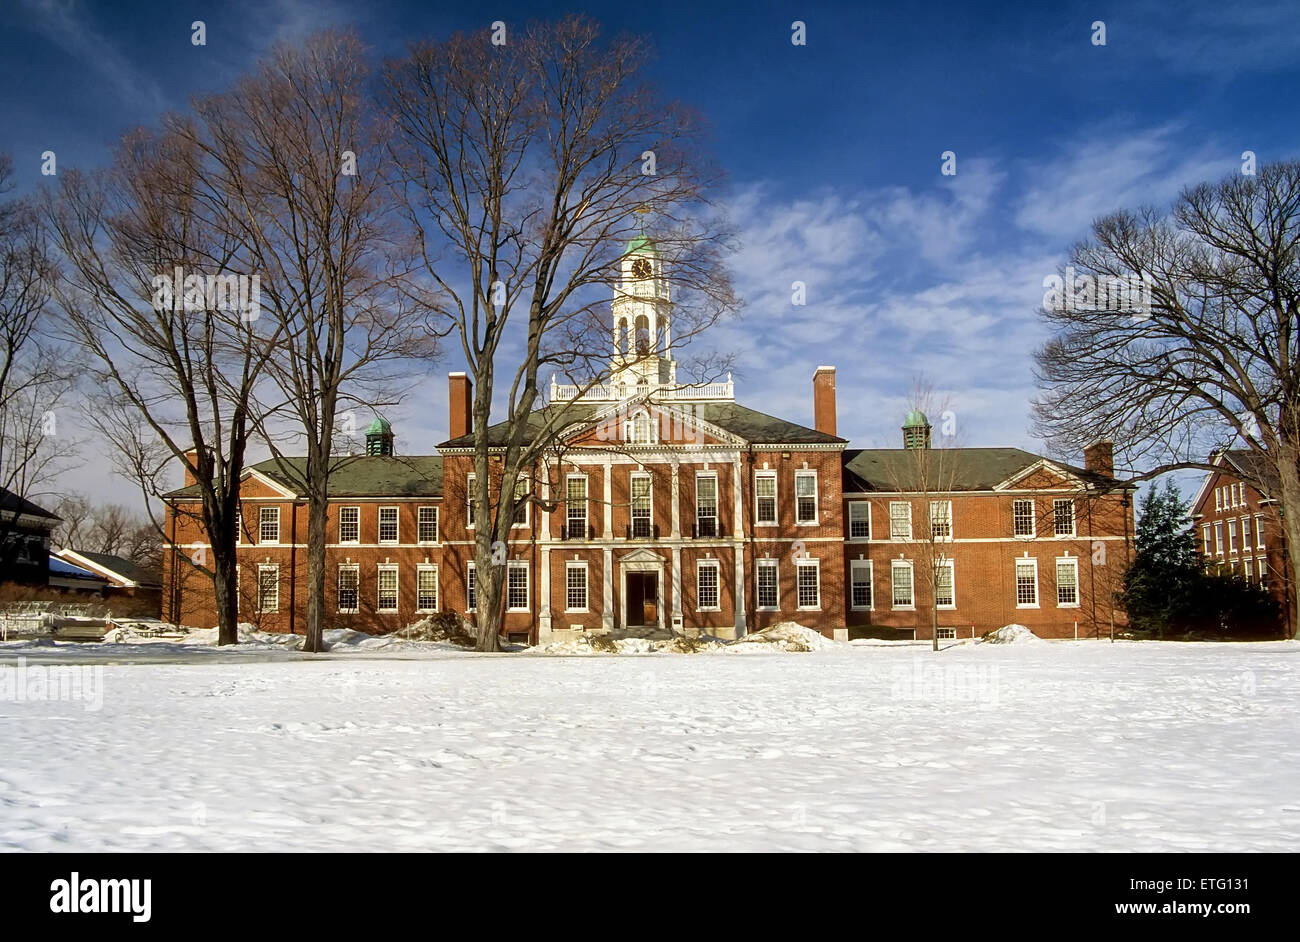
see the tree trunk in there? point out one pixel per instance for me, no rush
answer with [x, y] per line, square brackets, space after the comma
[226, 590]
[317, 520]
[491, 604]
[1289, 512]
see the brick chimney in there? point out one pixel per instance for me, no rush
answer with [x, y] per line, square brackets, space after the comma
[459, 391]
[1099, 458]
[192, 455]
[824, 399]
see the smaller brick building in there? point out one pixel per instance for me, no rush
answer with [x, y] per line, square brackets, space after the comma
[1237, 524]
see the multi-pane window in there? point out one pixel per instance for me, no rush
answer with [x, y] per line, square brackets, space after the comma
[427, 524]
[1063, 517]
[947, 634]
[1218, 498]
[706, 504]
[808, 583]
[642, 431]
[520, 518]
[706, 584]
[386, 599]
[768, 593]
[859, 520]
[517, 586]
[575, 506]
[1218, 539]
[1261, 570]
[387, 524]
[765, 497]
[900, 520]
[900, 575]
[268, 529]
[349, 578]
[471, 587]
[268, 588]
[349, 524]
[1205, 538]
[1067, 582]
[426, 588]
[575, 586]
[941, 519]
[860, 584]
[1245, 534]
[944, 596]
[1027, 583]
[1232, 536]
[641, 527]
[805, 497]
[239, 524]
[1259, 531]
[471, 487]
[1022, 518]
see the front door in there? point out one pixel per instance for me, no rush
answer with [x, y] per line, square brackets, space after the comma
[642, 599]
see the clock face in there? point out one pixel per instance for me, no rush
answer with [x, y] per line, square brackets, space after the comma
[641, 268]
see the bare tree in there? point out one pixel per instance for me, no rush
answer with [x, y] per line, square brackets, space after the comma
[176, 363]
[1179, 334]
[300, 163]
[107, 528]
[526, 166]
[35, 375]
[924, 477]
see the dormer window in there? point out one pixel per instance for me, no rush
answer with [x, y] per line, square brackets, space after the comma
[641, 429]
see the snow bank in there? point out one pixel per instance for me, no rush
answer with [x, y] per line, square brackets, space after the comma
[1012, 634]
[586, 644]
[790, 636]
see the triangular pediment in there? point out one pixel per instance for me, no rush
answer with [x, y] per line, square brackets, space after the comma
[642, 555]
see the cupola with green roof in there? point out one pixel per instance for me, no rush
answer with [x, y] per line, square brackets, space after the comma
[916, 430]
[379, 438]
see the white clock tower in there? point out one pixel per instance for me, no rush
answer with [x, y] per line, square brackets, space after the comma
[642, 322]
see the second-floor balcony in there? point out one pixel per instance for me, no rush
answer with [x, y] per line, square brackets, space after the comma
[614, 392]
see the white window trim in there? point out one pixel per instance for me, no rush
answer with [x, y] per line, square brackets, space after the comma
[951, 566]
[717, 504]
[268, 567]
[865, 505]
[1074, 523]
[343, 542]
[869, 566]
[1232, 535]
[437, 589]
[397, 588]
[817, 505]
[260, 512]
[951, 533]
[528, 505]
[471, 586]
[1033, 518]
[379, 526]
[775, 565]
[569, 566]
[1218, 499]
[1015, 583]
[586, 504]
[239, 524]
[899, 564]
[350, 567]
[941, 636]
[700, 565]
[1205, 538]
[437, 525]
[629, 429]
[650, 499]
[910, 529]
[1218, 538]
[517, 565]
[768, 475]
[807, 562]
[1259, 532]
[1073, 561]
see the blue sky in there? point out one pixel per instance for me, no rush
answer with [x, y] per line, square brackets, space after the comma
[833, 151]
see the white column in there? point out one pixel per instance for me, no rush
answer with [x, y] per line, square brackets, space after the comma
[609, 499]
[544, 619]
[607, 606]
[738, 534]
[677, 587]
[677, 503]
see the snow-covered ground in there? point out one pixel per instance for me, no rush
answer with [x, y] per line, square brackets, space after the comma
[409, 746]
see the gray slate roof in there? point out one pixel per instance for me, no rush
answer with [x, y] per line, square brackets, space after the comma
[359, 476]
[748, 424]
[958, 469]
[122, 566]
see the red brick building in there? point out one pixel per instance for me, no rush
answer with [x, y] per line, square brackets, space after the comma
[671, 507]
[1237, 524]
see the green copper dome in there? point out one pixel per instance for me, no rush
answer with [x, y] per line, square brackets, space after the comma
[916, 419]
[379, 427]
[642, 243]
